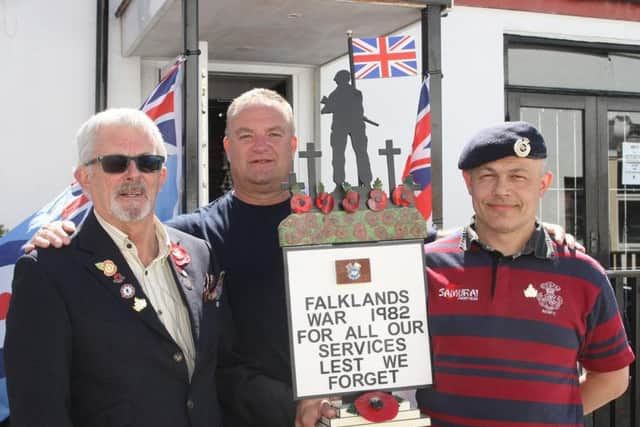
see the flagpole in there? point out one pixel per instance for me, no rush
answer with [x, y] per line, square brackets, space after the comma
[102, 55]
[351, 67]
[431, 66]
[190, 100]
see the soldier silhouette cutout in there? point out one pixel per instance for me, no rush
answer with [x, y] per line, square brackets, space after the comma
[345, 103]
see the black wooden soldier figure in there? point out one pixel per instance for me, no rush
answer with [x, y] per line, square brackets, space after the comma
[345, 103]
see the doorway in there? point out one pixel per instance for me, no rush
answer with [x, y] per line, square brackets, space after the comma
[593, 147]
[223, 88]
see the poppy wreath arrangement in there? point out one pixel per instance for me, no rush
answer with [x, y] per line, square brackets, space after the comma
[375, 406]
[360, 216]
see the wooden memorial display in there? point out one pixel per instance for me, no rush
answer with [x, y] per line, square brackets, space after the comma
[357, 301]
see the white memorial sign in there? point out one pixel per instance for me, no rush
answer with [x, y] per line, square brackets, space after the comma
[358, 317]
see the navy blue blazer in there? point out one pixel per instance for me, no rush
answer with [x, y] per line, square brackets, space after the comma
[79, 353]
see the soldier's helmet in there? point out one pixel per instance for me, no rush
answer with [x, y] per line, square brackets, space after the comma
[342, 76]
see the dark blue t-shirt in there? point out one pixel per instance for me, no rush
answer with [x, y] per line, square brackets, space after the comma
[244, 239]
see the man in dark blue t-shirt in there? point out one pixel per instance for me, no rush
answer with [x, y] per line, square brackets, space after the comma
[242, 228]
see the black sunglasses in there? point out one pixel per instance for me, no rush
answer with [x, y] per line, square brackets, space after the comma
[118, 163]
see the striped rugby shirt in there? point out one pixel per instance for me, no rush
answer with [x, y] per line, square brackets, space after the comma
[507, 332]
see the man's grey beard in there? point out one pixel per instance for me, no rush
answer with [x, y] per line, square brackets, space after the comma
[129, 212]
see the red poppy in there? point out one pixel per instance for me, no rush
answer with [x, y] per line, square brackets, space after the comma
[402, 196]
[351, 201]
[300, 203]
[377, 406]
[377, 198]
[324, 202]
[179, 255]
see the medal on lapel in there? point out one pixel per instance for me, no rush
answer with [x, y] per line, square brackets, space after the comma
[127, 291]
[212, 288]
[108, 267]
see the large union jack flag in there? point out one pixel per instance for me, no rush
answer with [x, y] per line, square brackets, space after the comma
[419, 161]
[164, 107]
[377, 57]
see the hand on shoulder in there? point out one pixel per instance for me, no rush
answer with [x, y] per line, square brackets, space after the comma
[54, 234]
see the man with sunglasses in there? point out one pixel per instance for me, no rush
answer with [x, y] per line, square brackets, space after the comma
[124, 325]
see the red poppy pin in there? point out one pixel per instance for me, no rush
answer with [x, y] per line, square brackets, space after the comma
[377, 406]
[180, 256]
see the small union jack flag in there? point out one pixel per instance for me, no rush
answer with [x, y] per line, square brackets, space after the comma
[419, 161]
[379, 57]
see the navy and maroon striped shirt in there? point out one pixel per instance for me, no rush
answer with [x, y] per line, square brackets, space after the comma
[508, 331]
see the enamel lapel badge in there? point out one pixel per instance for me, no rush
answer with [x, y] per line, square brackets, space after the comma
[108, 267]
[212, 288]
[139, 304]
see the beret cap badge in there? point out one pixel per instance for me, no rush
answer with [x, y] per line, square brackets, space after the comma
[507, 139]
[522, 147]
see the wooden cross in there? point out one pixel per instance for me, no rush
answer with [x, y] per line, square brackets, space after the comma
[291, 182]
[389, 151]
[311, 154]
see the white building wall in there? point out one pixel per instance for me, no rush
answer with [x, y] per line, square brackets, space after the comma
[47, 87]
[47, 90]
[473, 88]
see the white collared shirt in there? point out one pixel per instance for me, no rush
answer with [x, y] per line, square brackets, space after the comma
[158, 283]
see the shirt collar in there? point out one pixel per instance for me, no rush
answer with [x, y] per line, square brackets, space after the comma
[539, 244]
[123, 242]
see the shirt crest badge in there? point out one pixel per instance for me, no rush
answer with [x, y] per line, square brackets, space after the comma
[549, 301]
